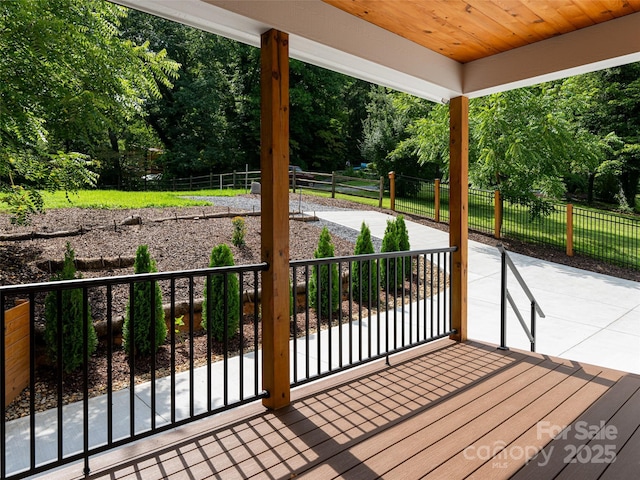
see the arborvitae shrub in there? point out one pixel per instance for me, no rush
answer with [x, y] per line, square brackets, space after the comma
[388, 266]
[239, 232]
[221, 256]
[320, 277]
[72, 326]
[364, 270]
[403, 244]
[142, 342]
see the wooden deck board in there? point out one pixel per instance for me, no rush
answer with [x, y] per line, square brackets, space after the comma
[560, 448]
[413, 419]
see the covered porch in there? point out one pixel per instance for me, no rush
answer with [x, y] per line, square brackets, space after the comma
[453, 408]
[446, 410]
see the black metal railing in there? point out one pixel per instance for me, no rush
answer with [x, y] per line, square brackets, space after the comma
[608, 237]
[381, 304]
[505, 296]
[68, 416]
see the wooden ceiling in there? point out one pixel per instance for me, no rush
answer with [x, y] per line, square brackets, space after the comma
[467, 30]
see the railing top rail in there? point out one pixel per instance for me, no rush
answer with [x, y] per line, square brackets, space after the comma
[371, 256]
[521, 281]
[140, 277]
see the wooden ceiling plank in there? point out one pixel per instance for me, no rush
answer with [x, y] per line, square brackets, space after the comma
[617, 8]
[467, 30]
[549, 14]
[576, 16]
[492, 10]
[530, 19]
[486, 28]
[456, 20]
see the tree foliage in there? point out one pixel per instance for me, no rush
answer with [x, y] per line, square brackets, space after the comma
[67, 78]
[321, 276]
[224, 310]
[387, 140]
[364, 280]
[70, 317]
[142, 316]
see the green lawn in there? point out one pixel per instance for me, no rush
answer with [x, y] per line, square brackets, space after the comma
[601, 234]
[114, 199]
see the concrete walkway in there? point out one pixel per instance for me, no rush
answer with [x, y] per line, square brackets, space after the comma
[590, 317]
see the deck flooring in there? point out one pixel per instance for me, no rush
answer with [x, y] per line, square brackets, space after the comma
[447, 410]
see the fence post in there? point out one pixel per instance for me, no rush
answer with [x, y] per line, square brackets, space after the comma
[381, 192]
[570, 229]
[392, 190]
[333, 184]
[234, 179]
[190, 182]
[436, 199]
[210, 180]
[497, 216]
[294, 180]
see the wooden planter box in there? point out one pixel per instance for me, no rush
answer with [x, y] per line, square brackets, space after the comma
[17, 345]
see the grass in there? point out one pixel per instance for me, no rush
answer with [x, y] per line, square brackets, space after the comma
[114, 199]
[604, 235]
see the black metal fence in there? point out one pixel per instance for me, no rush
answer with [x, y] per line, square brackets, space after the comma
[68, 416]
[375, 305]
[607, 236]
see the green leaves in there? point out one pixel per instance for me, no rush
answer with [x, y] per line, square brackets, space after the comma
[67, 77]
[137, 326]
[218, 309]
[321, 276]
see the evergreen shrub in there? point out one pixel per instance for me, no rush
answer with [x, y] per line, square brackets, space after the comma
[142, 342]
[221, 256]
[320, 278]
[72, 321]
[366, 271]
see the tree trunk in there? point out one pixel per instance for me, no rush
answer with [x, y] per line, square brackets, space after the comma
[117, 167]
[590, 186]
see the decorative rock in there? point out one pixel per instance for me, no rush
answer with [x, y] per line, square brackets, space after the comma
[256, 188]
[132, 220]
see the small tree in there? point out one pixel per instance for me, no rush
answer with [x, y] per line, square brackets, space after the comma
[142, 341]
[239, 232]
[71, 314]
[403, 244]
[221, 256]
[365, 271]
[389, 266]
[320, 277]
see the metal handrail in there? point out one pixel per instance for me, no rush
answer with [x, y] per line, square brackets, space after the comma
[506, 297]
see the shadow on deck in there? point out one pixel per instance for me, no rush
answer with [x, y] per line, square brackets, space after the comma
[446, 410]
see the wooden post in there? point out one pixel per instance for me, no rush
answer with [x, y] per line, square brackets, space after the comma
[17, 341]
[333, 184]
[381, 192]
[458, 211]
[392, 190]
[570, 230]
[274, 160]
[497, 215]
[436, 199]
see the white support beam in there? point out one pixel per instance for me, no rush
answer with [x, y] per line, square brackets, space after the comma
[601, 46]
